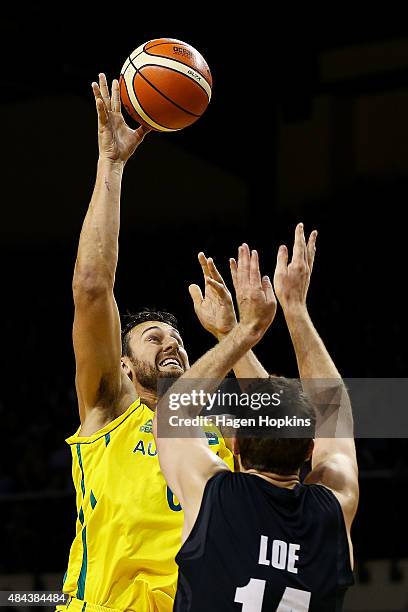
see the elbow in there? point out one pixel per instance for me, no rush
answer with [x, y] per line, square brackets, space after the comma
[90, 284]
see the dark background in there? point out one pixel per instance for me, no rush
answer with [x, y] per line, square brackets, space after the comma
[307, 123]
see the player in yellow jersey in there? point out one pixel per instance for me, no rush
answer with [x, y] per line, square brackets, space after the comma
[128, 527]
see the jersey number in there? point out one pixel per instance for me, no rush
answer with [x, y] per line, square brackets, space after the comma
[170, 500]
[251, 596]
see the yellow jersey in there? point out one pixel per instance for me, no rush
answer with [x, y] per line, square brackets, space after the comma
[129, 523]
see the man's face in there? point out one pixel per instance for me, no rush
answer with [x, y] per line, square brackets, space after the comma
[157, 351]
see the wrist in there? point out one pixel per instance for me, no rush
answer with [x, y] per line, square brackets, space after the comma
[248, 334]
[295, 312]
[221, 335]
[109, 164]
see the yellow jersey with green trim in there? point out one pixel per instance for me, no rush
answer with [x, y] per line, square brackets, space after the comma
[129, 523]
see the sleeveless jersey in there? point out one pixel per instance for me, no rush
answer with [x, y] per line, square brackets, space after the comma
[129, 523]
[256, 547]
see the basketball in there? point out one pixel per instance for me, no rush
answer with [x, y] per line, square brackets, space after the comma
[165, 84]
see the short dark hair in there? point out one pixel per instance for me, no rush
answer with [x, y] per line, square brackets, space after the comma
[130, 320]
[274, 450]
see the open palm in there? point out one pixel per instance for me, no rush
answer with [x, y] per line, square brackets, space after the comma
[117, 141]
[215, 310]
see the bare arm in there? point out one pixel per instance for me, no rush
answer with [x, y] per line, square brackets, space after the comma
[334, 459]
[187, 478]
[96, 331]
[216, 313]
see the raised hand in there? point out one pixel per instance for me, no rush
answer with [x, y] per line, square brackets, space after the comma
[255, 297]
[215, 310]
[117, 141]
[291, 282]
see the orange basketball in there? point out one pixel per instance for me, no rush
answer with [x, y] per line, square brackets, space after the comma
[165, 84]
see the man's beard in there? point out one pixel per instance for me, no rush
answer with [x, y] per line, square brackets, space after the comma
[148, 376]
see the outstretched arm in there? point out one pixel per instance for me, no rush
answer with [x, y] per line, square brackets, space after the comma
[96, 331]
[187, 463]
[334, 459]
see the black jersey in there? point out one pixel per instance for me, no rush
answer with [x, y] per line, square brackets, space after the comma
[256, 547]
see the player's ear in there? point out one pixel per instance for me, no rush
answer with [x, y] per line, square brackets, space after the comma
[310, 450]
[234, 445]
[126, 365]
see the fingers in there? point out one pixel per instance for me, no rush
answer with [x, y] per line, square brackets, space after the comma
[98, 96]
[220, 288]
[254, 273]
[204, 265]
[282, 260]
[268, 290]
[311, 249]
[210, 270]
[299, 246]
[103, 86]
[214, 271]
[247, 270]
[243, 275]
[115, 99]
[196, 295]
[234, 272]
[96, 90]
[101, 107]
[101, 110]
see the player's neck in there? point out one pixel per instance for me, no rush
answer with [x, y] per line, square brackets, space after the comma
[288, 481]
[147, 397]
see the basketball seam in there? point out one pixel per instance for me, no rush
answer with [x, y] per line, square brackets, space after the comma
[137, 71]
[141, 105]
[140, 53]
[162, 43]
[174, 60]
[164, 95]
[152, 47]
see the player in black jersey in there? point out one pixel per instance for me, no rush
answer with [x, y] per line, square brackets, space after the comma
[261, 540]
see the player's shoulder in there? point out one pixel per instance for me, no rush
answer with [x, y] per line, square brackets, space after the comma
[340, 480]
[137, 414]
[320, 494]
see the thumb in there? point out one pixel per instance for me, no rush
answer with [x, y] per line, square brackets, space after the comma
[196, 295]
[142, 131]
[268, 289]
[282, 259]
